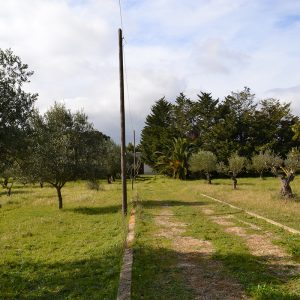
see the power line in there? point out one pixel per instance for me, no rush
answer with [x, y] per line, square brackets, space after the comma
[121, 17]
[128, 94]
[125, 70]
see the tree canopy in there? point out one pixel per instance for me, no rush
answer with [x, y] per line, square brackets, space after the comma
[16, 107]
[238, 124]
[204, 161]
[66, 147]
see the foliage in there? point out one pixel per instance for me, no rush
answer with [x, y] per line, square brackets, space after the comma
[203, 161]
[204, 116]
[237, 113]
[222, 168]
[236, 164]
[93, 184]
[112, 161]
[240, 123]
[16, 107]
[66, 147]
[133, 170]
[157, 133]
[274, 162]
[296, 131]
[261, 162]
[292, 161]
[175, 160]
[182, 117]
[273, 127]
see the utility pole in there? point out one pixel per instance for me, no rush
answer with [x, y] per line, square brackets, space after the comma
[122, 113]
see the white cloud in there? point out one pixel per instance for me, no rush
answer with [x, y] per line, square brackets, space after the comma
[289, 94]
[171, 47]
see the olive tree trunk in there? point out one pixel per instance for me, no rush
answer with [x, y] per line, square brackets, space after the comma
[261, 175]
[5, 182]
[8, 187]
[286, 190]
[234, 182]
[59, 196]
[9, 190]
[208, 178]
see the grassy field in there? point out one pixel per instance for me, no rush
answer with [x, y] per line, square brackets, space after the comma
[156, 273]
[260, 196]
[74, 253]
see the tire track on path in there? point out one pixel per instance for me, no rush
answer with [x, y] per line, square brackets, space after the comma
[203, 274]
[260, 245]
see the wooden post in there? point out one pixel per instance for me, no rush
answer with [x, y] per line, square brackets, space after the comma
[122, 113]
[134, 163]
[134, 155]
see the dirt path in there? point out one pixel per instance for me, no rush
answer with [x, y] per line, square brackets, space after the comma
[259, 244]
[203, 274]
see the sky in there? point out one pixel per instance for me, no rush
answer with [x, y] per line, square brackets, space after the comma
[170, 46]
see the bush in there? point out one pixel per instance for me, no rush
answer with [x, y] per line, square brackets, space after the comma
[94, 185]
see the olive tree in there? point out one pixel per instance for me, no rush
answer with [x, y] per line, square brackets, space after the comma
[204, 161]
[8, 176]
[291, 165]
[112, 161]
[274, 162]
[265, 161]
[236, 164]
[66, 147]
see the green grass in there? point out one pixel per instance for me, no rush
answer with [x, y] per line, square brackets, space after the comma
[153, 255]
[260, 196]
[74, 253]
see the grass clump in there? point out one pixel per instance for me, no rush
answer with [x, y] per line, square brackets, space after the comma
[94, 185]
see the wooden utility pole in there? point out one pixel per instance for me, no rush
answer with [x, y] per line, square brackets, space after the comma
[122, 113]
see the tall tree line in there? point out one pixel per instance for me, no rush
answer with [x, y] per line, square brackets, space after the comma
[238, 124]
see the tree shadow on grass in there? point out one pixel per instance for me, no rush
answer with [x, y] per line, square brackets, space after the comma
[96, 210]
[157, 275]
[160, 203]
[93, 278]
[144, 178]
[230, 183]
[227, 213]
[13, 192]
